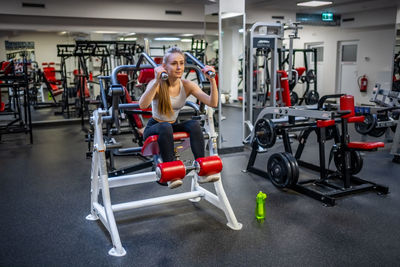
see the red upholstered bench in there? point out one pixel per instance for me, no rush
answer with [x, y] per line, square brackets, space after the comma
[365, 145]
[150, 146]
[49, 74]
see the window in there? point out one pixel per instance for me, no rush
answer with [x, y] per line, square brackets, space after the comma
[349, 53]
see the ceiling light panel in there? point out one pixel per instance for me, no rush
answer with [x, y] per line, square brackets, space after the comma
[314, 3]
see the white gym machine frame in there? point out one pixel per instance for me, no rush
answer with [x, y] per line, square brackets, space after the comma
[101, 182]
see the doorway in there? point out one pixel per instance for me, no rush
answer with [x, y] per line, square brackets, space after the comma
[347, 68]
[320, 63]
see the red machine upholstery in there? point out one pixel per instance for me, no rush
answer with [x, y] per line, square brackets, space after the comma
[49, 74]
[347, 103]
[365, 145]
[356, 119]
[150, 146]
[146, 75]
[285, 85]
[300, 70]
[5, 66]
[158, 60]
[173, 170]
[123, 79]
[78, 78]
[325, 123]
[136, 117]
[209, 165]
[2, 105]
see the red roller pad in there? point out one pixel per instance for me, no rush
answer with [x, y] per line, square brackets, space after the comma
[356, 119]
[173, 170]
[347, 103]
[365, 145]
[209, 165]
[325, 123]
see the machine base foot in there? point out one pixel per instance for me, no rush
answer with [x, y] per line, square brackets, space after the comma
[115, 253]
[236, 227]
[92, 217]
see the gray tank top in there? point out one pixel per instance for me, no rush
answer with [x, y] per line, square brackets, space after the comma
[177, 102]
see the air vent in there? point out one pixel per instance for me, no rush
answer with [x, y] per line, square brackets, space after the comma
[34, 5]
[278, 17]
[173, 12]
[347, 20]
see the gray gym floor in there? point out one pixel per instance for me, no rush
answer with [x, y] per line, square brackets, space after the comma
[44, 199]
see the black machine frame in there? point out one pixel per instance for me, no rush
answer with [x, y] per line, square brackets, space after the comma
[284, 59]
[333, 184]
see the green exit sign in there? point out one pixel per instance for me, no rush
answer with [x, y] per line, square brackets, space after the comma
[327, 16]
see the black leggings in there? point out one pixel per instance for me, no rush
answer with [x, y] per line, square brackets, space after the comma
[165, 131]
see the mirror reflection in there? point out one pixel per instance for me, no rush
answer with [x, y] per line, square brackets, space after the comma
[231, 80]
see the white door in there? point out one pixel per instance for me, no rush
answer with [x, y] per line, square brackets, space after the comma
[320, 65]
[348, 69]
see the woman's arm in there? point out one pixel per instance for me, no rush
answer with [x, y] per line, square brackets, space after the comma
[151, 89]
[149, 94]
[210, 100]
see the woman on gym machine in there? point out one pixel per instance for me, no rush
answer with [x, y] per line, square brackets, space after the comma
[167, 98]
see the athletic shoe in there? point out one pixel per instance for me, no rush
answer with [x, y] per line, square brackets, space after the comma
[208, 179]
[175, 183]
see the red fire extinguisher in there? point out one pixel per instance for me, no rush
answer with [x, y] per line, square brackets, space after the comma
[363, 83]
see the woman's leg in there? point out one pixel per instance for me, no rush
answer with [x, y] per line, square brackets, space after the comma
[196, 136]
[165, 138]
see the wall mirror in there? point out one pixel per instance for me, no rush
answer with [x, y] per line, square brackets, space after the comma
[231, 79]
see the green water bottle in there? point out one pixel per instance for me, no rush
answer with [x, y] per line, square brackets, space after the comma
[260, 207]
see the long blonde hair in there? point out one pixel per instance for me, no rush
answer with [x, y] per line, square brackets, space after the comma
[164, 101]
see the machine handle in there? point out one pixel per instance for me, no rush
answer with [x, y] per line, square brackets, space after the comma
[200, 64]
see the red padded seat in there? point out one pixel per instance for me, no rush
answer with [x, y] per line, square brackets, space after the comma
[365, 145]
[50, 74]
[150, 146]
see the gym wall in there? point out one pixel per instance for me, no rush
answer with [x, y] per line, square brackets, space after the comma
[45, 44]
[374, 54]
